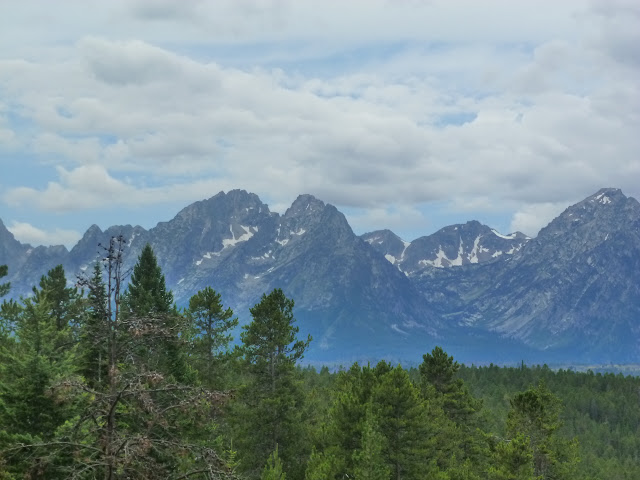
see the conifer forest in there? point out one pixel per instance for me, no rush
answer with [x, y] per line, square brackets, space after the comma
[109, 379]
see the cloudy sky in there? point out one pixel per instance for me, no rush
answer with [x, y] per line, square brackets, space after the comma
[405, 114]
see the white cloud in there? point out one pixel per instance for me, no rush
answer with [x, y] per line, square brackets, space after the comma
[531, 218]
[27, 233]
[397, 219]
[482, 104]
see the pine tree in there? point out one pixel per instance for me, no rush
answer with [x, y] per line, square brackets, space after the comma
[4, 287]
[462, 441]
[147, 306]
[94, 330]
[272, 401]
[407, 425]
[65, 302]
[29, 366]
[512, 460]
[320, 466]
[439, 370]
[139, 422]
[369, 463]
[147, 293]
[273, 468]
[351, 398]
[535, 414]
[211, 326]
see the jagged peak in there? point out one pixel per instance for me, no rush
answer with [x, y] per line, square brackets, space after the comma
[233, 201]
[385, 232]
[303, 204]
[93, 230]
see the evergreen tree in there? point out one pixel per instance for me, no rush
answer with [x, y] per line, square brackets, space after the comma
[148, 307]
[29, 366]
[212, 325]
[147, 293]
[440, 385]
[320, 466]
[273, 468]
[4, 287]
[65, 302]
[369, 463]
[439, 370]
[535, 414]
[351, 398]
[94, 330]
[271, 403]
[512, 460]
[407, 425]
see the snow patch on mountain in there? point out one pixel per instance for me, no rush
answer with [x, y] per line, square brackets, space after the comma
[511, 236]
[473, 255]
[230, 242]
[207, 256]
[133, 236]
[441, 257]
[603, 199]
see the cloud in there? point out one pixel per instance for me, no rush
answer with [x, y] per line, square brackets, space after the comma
[93, 187]
[531, 218]
[397, 218]
[417, 103]
[27, 233]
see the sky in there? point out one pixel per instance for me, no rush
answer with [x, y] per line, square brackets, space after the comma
[405, 114]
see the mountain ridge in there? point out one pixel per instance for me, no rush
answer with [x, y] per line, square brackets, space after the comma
[375, 294]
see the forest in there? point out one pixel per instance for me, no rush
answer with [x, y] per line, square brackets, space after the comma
[109, 379]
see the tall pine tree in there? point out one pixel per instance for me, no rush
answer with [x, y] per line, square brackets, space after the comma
[271, 402]
[148, 307]
[211, 325]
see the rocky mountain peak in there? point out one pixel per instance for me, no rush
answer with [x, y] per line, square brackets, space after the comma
[9, 246]
[305, 205]
[451, 246]
[591, 221]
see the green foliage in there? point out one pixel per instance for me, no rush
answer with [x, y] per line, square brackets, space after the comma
[439, 370]
[463, 442]
[320, 466]
[271, 403]
[30, 363]
[273, 468]
[149, 311]
[64, 302]
[137, 412]
[94, 330]
[147, 293]
[211, 325]
[4, 287]
[369, 462]
[512, 460]
[404, 422]
[535, 414]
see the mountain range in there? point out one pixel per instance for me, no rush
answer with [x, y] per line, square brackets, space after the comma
[572, 294]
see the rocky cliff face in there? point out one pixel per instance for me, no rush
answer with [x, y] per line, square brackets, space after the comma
[572, 293]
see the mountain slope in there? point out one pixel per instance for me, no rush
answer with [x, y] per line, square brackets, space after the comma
[577, 285]
[451, 246]
[572, 293]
